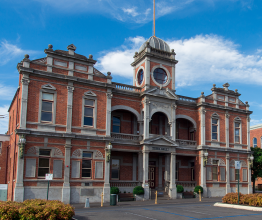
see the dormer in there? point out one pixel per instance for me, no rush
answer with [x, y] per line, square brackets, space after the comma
[154, 65]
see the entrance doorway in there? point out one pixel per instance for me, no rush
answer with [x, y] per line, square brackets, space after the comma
[151, 174]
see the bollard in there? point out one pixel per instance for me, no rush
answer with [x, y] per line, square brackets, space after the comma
[156, 198]
[102, 199]
[199, 195]
[87, 203]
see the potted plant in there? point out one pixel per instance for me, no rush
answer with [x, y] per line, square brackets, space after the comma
[138, 192]
[179, 190]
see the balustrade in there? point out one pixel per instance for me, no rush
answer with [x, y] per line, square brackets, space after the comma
[126, 136]
[121, 183]
[127, 87]
[186, 142]
[186, 183]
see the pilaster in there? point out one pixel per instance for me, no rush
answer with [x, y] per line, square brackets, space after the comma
[172, 186]
[70, 90]
[106, 189]
[25, 82]
[173, 76]
[146, 118]
[145, 173]
[228, 189]
[173, 122]
[203, 125]
[147, 73]
[108, 112]
[66, 185]
[227, 129]
[140, 167]
[203, 175]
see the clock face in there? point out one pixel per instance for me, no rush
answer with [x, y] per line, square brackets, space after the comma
[140, 76]
[160, 76]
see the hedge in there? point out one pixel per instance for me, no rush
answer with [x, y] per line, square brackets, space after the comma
[138, 190]
[179, 188]
[244, 199]
[36, 209]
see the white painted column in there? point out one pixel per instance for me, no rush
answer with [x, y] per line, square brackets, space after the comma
[173, 122]
[146, 118]
[147, 73]
[106, 189]
[228, 189]
[66, 185]
[23, 112]
[203, 174]
[227, 129]
[140, 167]
[203, 126]
[108, 112]
[160, 171]
[172, 186]
[70, 90]
[145, 173]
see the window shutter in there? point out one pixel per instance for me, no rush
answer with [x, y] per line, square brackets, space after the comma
[232, 174]
[30, 167]
[75, 173]
[57, 168]
[244, 174]
[222, 173]
[209, 173]
[99, 170]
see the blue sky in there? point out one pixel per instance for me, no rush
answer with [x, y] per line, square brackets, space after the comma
[216, 41]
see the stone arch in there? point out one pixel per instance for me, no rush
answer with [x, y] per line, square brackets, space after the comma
[127, 108]
[188, 118]
[162, 111]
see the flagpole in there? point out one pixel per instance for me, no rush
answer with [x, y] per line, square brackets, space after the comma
[154, 20]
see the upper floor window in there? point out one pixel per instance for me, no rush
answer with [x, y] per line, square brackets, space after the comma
[237, 132]
[116, 124]
[87, 164]
[254, 142]
[44, 162]
[47, 107]
[140, 76]
[160, 76]
[214, 129]
[89, 112]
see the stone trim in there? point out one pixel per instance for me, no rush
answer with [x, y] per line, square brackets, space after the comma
[188, 118]
[127, 108]
[167, 72]
[144, 76]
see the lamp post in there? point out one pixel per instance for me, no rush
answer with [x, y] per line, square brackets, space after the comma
[108, 152]
[251, 159]
[21, 144]
[205, 158]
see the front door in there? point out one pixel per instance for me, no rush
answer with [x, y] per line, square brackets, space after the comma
[151, 177]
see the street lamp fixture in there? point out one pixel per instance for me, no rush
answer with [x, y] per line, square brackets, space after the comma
[108, 152]
[251, 159]
[205, 158]
[21, 144]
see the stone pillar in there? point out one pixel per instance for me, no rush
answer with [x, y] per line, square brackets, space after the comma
[70, 90]
[203, 126]
[228, 189]
[140, 167]
[25, 82]
[106, 189]
[172, 186]
[134, 76]
[173, 122]
[71, 68]
[167, 172]
[227, 129]
[160, 172]
[66, 185]
[19, 186]
[145, 173]
[147, 73]
[140, 127]
[173, 76]
[203, 175]
[108, 112]
[146, 118]
[134, 166]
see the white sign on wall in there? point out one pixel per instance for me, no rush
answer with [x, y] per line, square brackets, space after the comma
[237, 165]
[48, 176]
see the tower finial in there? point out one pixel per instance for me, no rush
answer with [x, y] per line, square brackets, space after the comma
[154, 19]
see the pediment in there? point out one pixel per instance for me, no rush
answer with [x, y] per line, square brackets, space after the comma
[90, 93]
[48, 86]
[161, 140]
[162, 92]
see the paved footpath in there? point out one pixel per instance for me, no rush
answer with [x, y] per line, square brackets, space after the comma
[179, 209]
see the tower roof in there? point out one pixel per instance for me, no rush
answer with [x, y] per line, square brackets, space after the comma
[156, 43]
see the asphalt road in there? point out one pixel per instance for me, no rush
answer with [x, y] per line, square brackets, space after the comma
[186, 211]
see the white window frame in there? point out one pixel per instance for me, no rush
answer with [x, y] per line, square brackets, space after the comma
[216, 117]
[48, 88]
[254, 141]
[92, 97]
[167, 72]
[44, 157]
[238, 120]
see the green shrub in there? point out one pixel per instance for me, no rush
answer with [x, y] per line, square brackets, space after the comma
[138, 190]
[179, 188]
[114, 190]
[36, 209]
[197, 188]
[244, 199]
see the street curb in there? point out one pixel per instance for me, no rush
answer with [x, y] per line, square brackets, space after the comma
[250, 208]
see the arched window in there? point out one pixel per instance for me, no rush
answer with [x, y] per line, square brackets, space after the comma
[160, 76]
[254, 142]
[140, 76]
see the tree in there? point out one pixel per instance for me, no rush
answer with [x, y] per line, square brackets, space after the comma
[256, 170]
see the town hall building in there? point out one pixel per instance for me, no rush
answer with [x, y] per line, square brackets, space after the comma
[69, 119]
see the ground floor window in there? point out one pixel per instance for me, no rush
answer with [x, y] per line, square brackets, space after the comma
[115, 169]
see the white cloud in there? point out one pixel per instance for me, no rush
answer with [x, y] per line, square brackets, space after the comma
[131, 11]
[203, 58]
[10, 51]
[4, 121]
[6, 92]
[255, 122]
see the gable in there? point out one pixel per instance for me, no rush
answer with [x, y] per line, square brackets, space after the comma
[167, 93]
